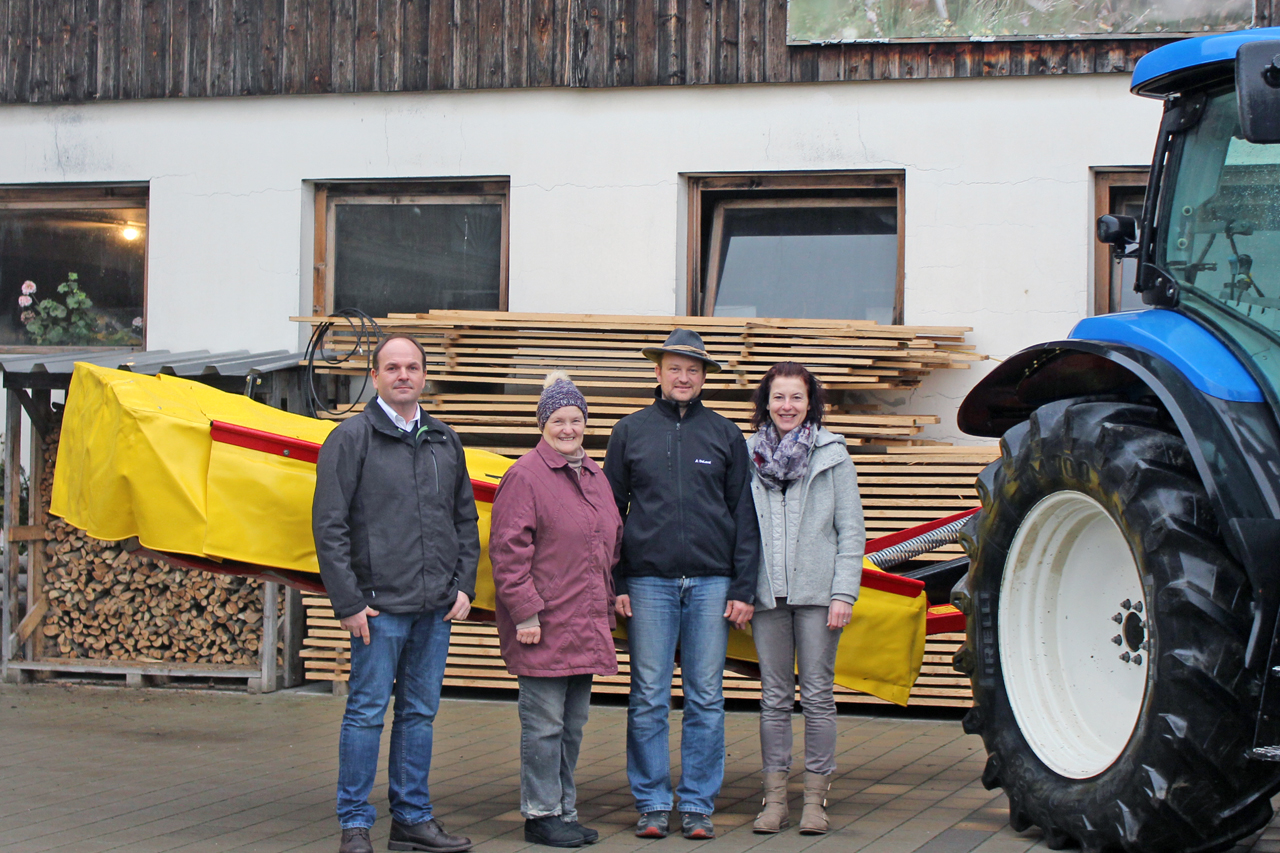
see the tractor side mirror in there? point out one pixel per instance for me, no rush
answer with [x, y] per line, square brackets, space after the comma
[1117, 231]
[1258, 91]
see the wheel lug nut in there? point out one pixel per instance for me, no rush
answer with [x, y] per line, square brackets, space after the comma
[1116, 639]
[1124, 656]
[1118, 619]
[1138, 606]
[1137, 659]
[1145, 646]
[1126, 604]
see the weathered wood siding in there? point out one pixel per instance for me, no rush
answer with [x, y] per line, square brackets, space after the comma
[84, 50]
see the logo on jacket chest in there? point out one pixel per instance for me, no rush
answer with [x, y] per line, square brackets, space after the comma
[701, 461]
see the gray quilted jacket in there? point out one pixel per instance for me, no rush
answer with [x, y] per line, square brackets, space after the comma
[812, 537]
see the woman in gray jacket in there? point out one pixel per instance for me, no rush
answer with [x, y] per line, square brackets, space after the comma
[806, 498]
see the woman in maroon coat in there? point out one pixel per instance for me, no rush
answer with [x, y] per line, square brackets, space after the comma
[555, 537]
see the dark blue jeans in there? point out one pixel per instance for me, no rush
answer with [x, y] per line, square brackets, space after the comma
[405, 656]
[666, 612]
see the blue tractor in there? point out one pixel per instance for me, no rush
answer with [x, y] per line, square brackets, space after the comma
[1124, 575]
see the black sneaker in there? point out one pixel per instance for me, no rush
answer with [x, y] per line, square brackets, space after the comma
[652, 825]
[589, 835]
[551, 831]
[696, 826]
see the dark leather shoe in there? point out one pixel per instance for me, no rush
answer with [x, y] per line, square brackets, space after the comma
[551, 831]
[589, 835]
[428, 835]
[355, 840]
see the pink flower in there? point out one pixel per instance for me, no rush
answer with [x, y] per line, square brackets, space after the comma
[24, 300]
[27, 316]
[137, 322]
[28, 287]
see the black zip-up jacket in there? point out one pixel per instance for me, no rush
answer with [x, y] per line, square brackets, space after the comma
[394, 516]
[683, 486]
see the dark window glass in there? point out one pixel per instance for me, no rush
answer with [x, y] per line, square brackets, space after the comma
[98, 260]
[830, 262]
[409, 258]
[1126, 201]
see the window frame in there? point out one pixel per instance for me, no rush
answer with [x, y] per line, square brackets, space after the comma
[767, 189]
[92, 196]
[428, 191]
[1105, 180]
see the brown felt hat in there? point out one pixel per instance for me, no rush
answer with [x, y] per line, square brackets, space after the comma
[683, 342]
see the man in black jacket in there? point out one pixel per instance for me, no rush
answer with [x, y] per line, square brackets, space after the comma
[396, 534]
[690, 553]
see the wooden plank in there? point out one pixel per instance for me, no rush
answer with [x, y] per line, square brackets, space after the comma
[293, 47]
[777, 64]
[751, 38]
[155, 48]
[199, 71]
[61, 61]
[415, 45]
[590, 47]
[366, 48]
[319, 32]
[43, 50]
[728, 22]
[269, 67]
[178, 50]
[32, 620]
[20, 39]
[222, 43]
[515, 44]
[700, 36]
[490, 44]
[541, 42]
[465, 44]
[671, 43]
[620, 20]
[343, 46]
[26, 533]
[390, 33]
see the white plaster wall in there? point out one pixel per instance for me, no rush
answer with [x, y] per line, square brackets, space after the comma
[998, 190]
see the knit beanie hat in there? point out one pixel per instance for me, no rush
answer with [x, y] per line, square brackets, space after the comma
[559, 391]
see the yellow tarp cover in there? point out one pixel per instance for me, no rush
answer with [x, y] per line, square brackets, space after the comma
[137, 458]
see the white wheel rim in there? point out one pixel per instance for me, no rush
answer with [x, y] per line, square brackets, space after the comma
[1075, 692]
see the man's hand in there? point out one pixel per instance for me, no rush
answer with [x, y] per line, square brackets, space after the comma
[622, 606]
[739, 613]
[839, 614]
[358, 623]
[460, 609]
[529, 636]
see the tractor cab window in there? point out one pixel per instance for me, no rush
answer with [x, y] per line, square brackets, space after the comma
[1222, 241]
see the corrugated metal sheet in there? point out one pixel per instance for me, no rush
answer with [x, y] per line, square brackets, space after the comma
[194, 363]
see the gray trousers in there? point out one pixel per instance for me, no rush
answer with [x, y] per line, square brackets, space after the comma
[553, 712]
[785, 637]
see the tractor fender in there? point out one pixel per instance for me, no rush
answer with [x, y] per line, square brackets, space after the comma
[1215, 405]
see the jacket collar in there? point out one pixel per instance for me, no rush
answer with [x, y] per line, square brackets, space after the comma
[671, 409]
[555, 459]
[821, 457]
[429, 429]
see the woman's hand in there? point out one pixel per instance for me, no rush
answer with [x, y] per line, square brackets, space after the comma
[839, 614]
[529, 636]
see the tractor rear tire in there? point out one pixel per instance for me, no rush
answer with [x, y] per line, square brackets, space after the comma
[1106, 639]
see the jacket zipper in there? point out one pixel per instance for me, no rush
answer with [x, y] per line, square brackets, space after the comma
[684, 537]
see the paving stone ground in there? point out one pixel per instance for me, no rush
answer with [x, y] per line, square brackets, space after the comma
[92, 770]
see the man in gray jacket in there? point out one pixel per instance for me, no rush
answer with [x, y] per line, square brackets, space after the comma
[395, 525]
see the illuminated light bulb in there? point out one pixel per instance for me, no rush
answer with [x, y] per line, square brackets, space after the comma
[130, 233]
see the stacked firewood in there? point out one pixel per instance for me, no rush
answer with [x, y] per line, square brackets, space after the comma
[109, 603]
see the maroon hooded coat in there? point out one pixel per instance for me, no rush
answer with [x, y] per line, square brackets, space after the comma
[554, 539]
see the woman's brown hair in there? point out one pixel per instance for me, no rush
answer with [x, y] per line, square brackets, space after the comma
[760, 400]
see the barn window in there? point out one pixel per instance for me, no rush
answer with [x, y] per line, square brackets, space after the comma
[411, 247]
[825, 246]
[1116, 190]
[73, 266]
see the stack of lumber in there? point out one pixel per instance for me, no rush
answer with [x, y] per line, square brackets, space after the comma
[476, 662]
[106, 603]
[485, 368]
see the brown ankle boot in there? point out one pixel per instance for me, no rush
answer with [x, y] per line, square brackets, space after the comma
[773, 817]
[814, 820]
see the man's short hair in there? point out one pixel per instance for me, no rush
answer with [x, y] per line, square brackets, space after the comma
[377, 351]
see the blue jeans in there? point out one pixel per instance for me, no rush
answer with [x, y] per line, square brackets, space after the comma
[690, 612]
[405, 656]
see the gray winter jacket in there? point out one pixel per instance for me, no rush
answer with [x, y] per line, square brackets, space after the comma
[813, 533]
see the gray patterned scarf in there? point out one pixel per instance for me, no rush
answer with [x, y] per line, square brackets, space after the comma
[782, 461]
